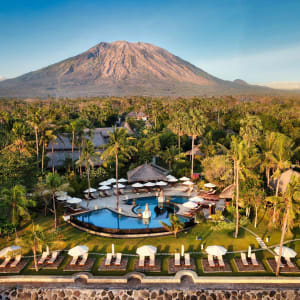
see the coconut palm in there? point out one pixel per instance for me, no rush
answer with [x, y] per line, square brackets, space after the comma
[175, 224]
[15, 198]
[251, 129]
[119, 144]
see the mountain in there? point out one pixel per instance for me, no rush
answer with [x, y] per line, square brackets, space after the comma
[122, 68]
[283, 85]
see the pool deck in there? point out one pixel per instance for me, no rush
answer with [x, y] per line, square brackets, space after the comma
[126, 209]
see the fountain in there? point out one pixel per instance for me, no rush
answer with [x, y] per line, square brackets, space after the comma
[147, 212]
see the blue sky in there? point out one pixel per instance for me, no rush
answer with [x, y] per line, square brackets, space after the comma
[258, 41]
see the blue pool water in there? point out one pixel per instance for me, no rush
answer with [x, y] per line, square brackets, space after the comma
[108, 219]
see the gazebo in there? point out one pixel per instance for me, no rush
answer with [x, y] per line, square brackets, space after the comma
[227, 193]
[146, 173]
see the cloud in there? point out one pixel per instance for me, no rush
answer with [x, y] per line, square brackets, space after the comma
[2, 78]
[275, 65]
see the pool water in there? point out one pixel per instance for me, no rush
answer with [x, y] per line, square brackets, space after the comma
[106, 218]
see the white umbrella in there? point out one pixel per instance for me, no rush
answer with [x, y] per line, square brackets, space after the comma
[112, 180]
[74, 200]
[146, 250]
[216, 250]
[196, 199]
[120, 186]
[90, 190]
[188, 183]
[209, 185]
[104, 183]
[137, 185]
[63, 198]
[172, 179]
[249, 251]
[104, 188]
[286, 251]
[4, 251]
[190, 204]
[123, 180]
[184, 178]
[161, 183]
[78, 250]
[182, 250]
[149, 184]
[60, 193]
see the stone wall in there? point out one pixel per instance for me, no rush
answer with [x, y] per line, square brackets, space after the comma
[141, 294]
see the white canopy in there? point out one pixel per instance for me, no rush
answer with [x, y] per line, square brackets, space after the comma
[190, 204]
[172, 179]
[149, 184]
[184, 178]
[123, 180]
[137, 185]
[64, 198]
[161, 183]
[196, 199]
[209, 185]
[104, 187]
[216, 250]
[120, 186]
[286, 251]
[111, 180]
[74, 200]
[90, 190]
[4, 251]
[104, 183]
[78, 250]
[146, 250]
[188, 183]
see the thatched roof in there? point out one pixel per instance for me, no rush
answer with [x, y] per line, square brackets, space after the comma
[284, 180]
[196, 151]
[146, 172]
[228, 192]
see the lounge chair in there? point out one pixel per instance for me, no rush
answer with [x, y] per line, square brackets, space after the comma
[108, 259]
[87, 197]
[118, 259]
[53, 257]
[253, 259]
[289, 263]
[16, 261]
[177, 259]
[121, 192]
[74, 261]
[152, 261]
[5, 262]
[187, 259]
[211, 262]
[43, 257]
[276, 259]
[142, 261]
[221, 261]
[107, 194]
[83, 259]
[93, 196]
[244, 259]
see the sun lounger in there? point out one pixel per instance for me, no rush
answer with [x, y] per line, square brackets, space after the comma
[177, 259]
[74, 261]
[152, 261]
[83, 259]
[211, 262]
[5, 262]
[121, 192]
[244, 259]
[53, 257]
[107, 193]
[221, 261]
[142, 261]
[87, 197]
[108, 259]
[187, 259]
[43, 257]
[253, 259]
[289, 263]
[16, 261]
[276, 259]
[118, 259]
[93, 196]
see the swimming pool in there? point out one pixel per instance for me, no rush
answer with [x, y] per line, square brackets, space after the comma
[109, 220]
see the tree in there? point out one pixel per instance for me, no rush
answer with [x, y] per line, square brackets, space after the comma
[251, 129]
[119, 144]
[15, 198]
[291, 208]
[175, 224]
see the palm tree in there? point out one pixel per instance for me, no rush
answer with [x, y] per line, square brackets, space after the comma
[54, 183]
[251, 129]
[195, 126]
[15, 198]
[119, 144]
[87, 158]
[291, 208]
[175, 224]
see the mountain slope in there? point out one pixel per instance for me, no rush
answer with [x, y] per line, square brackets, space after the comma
[122, 68]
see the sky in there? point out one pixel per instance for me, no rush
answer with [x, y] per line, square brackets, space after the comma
[254, 40]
